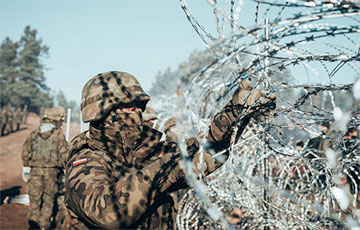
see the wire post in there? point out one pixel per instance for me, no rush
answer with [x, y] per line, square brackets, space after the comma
[267, 61]
[266, 86]
[68, 119]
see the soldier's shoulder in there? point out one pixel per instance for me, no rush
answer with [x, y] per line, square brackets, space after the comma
[59, 131]
[58, 134]
[32, 136]
[79, 139]
[84, 157]
[80, 152]
[78, 146]
[34, 133]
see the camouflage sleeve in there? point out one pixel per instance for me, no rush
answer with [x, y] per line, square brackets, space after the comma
[63, 148]
[222, 127]
[219, 137]
[102, 200]
[26, 152]
[89, 188]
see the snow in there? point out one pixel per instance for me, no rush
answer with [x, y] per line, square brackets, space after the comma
[214, 213]
[341, 119]
[341, 197]
[331, 157]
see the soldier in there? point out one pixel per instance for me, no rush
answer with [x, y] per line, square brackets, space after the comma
[61, 210]
[9, 119]
[119, 174]
[171, 130]
[149, 117]
[44, 151]
[17, 118]
[322, 142]
[2, 121]
[299, 145]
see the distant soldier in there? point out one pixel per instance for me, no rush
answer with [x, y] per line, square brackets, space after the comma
[17, 118]
[316, 149]
[149, 117]
[351, 141]
[2, 121]
[44, 151]
[9, 118]
[320, 143]
[62, 211]
[299, 145]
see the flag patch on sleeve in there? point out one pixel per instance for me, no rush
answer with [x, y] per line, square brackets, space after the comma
[78, 162]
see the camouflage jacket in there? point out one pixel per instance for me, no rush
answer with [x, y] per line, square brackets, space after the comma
[47, 149]
[93, 174]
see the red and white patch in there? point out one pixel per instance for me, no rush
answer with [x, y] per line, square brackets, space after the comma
[78, 162]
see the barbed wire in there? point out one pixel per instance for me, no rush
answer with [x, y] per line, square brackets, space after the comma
[276, 185]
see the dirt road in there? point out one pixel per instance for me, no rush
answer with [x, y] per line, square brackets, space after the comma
[14, 216]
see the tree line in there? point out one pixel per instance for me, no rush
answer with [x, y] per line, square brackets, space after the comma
[22, 77]
[183, 75]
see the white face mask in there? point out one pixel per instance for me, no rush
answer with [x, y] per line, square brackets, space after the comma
[45, 127]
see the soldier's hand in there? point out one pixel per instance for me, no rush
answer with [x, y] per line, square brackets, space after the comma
[255, 102]
[235, 216]
[209, 164]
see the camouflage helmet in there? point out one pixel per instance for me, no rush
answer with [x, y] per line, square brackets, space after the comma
[59, 113]
[55, 114]
[169, 123]
[45, 113]
[149, 114]
[107, 90]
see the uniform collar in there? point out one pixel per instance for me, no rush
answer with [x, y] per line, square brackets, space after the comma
[97, 139]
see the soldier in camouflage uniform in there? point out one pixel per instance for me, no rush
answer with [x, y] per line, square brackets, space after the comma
[2, 122]
[17, 118]
[321, 143]
[61, 210]
[44, 151]
[8, 119]
[119, 174]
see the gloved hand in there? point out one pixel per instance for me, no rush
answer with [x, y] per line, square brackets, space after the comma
[235, 216]
[25, 173]
[209, 163]
[257, 103]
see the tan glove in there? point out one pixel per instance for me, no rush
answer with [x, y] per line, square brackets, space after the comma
[255, 102]
[235, 216]
[209, 164]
